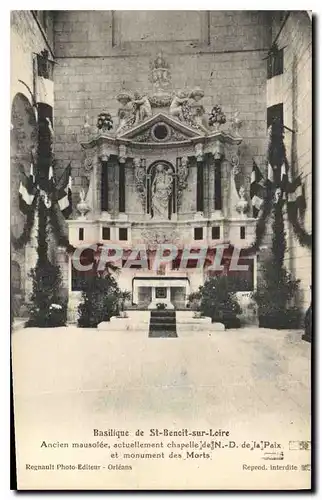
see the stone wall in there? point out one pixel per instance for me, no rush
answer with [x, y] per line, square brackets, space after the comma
[296, 95]
[26, 39]
[99, 52]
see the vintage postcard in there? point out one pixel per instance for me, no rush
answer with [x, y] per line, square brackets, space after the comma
[161, 242]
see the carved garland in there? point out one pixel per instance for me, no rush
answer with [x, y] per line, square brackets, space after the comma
[154, 237]
[182, 176]
[140, 179]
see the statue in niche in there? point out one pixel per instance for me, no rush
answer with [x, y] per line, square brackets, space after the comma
[126, 112]
[142, 107]
[177, 106]
[161, 191]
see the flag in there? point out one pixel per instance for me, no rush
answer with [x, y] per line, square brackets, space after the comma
[270, 173]
[256, 189]
[47, 194]
[296, 193]
[277, 169]
[256, 177]
[64, 193]
[27, 190]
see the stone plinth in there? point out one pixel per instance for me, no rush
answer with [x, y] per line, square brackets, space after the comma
[123, 325]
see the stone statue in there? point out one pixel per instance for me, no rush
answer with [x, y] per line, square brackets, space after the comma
[142, 107]
[161, 191]
[177, 105]
[126, 112]
[160, 73]
[197, 110]
[161, 81]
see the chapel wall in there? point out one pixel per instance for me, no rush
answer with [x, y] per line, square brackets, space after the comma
[296, 95]
[99, 52]
[26, 39]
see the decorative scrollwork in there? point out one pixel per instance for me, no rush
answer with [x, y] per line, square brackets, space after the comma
[89, 161]
[182, 175]
[140, 179]
[156, 236]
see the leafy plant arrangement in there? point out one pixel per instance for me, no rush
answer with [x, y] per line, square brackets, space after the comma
[216, 116]
[194, 301]
[276, 287]
[218, 301]
[161, 306]
[104, 121]
[124, 296]
[100, 300]
[46, 309]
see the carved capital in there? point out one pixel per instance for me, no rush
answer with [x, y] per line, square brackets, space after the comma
[104, 152]
[199, 151]
[104, 157]
[218, 151]
[122, 153]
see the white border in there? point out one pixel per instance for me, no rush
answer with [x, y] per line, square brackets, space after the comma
[5, 180]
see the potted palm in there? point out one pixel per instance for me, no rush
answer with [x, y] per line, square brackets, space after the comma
[124, 297]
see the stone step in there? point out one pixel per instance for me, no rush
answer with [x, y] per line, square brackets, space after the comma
[161, 326]
[163, 320]
[162, 313]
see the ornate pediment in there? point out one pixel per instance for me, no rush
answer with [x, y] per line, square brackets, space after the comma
[160, 129]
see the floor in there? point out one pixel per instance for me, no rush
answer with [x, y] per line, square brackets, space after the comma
[253, 383]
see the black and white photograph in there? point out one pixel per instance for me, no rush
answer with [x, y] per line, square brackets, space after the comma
[161, 249]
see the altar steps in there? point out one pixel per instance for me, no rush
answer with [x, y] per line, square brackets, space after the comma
[163, 324]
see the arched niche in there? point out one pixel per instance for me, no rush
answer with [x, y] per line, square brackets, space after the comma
[161, 190]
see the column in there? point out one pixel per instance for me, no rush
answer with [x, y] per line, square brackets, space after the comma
[104, 187]
[116, 183]
[99, 174]
[218, 186]
[207, 208]
[211, 185]
[226, 189]
[135, 297]
[200, 180]
[152, 304]
[218, 154]
[121, 166]
[168, 299]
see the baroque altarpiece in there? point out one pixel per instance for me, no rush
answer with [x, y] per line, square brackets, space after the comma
[164, 173]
